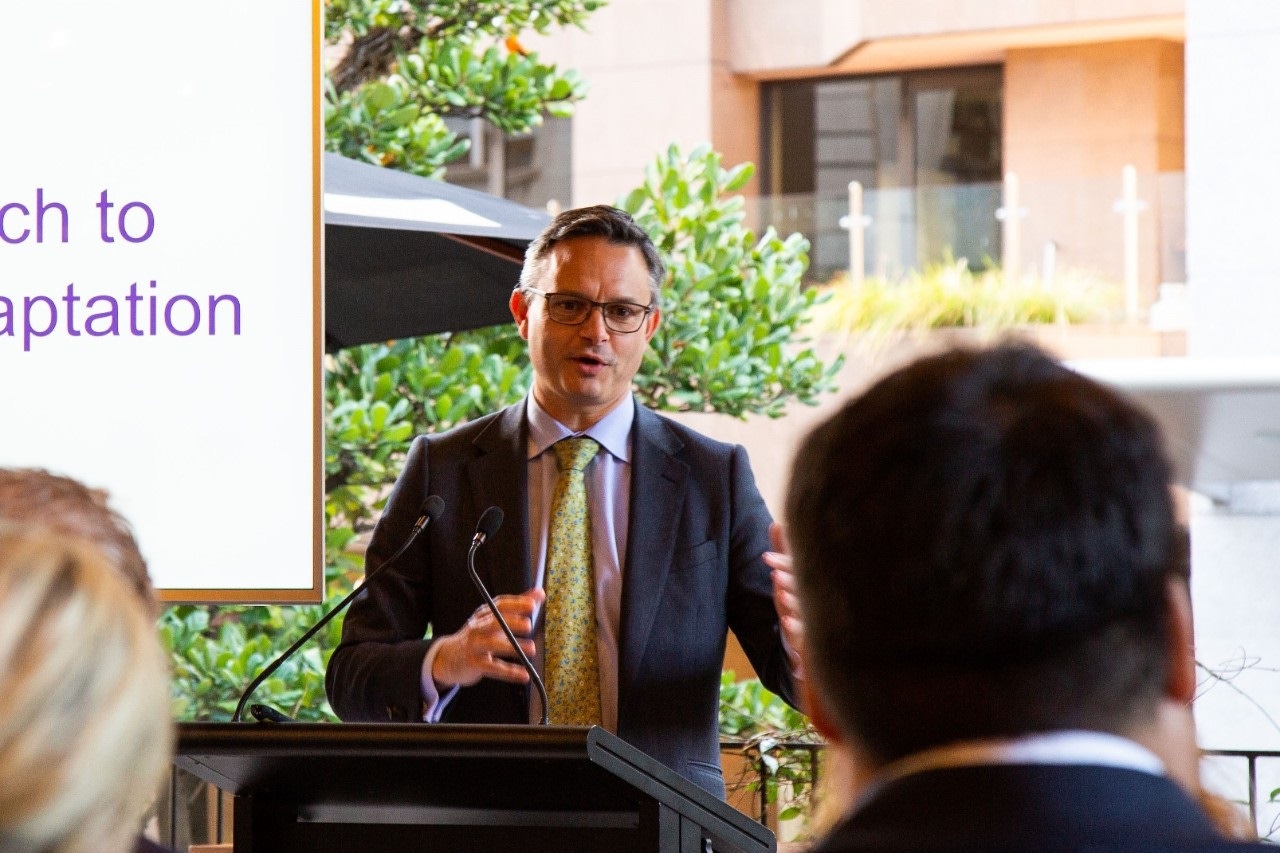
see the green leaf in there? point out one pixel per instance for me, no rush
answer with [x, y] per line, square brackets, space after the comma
[402, 116]
[399, 433]
[378, 415]
[738, 177]
[452, 360]
[379, 96]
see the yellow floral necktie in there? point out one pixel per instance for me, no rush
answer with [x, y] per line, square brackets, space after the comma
[573, 679]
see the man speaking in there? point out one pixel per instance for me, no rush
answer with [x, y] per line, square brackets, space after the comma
[631, 543]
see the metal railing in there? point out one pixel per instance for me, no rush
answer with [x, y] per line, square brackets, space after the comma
[759, 788]
[1127, 230]
[1253, 800]
[758, 785]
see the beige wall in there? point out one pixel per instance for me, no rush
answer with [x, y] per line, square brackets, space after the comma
[1084, 111]
[735, 100]
[658, 73]
[1074, 117]
[771, 38]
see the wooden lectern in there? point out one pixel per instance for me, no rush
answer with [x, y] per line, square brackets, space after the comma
[385, 788]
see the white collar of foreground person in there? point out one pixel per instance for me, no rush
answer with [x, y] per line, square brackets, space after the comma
[1073, 747]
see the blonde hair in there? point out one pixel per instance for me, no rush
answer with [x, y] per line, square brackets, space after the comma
[85, 730]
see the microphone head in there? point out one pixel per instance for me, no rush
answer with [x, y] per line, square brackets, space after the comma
[490, 521]
[432, 508]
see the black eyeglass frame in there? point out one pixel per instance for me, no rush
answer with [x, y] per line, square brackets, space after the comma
[645, 310]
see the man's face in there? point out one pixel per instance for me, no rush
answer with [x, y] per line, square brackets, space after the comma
[581, 372]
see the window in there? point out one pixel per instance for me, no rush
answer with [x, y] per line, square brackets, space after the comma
[926, 147]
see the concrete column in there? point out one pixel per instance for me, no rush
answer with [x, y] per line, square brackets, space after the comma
[659, 72]
[1233, 181]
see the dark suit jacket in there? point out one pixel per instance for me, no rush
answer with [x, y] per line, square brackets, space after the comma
[697, 528]
[1028, 807]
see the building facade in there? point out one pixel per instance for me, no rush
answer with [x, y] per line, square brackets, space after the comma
[928, 104]
[1140, 136]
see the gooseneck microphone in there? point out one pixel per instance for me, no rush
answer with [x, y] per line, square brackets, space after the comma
[430, 510]
[490, 521]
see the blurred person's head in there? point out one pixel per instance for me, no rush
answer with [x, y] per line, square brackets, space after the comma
[85, 731]
[986, 548]
[35, 497]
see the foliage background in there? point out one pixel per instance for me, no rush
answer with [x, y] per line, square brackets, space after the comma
[407, 65]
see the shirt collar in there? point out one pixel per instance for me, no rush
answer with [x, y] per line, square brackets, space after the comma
[1072, 747]
[613, 431]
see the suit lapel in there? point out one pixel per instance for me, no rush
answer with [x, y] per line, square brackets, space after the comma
[499, 474]
[658, 481]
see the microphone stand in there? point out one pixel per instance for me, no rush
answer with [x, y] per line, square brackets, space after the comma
[265, 713]
[476, 542]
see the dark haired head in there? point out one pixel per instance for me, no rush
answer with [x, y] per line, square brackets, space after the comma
[599, 220]
[983, 542]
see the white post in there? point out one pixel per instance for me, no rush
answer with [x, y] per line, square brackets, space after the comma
[1010, 214]
[477, 143]
[497, 157]
[1049, 266]
[1129, 207]
[857, 242]
[856, 222]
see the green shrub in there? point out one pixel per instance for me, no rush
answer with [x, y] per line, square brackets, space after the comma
[734, 304]
[768, 729]
[950, 294]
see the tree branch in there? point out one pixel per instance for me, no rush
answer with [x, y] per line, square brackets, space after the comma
[371, 56]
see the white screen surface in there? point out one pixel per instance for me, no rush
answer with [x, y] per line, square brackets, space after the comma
[160, 341]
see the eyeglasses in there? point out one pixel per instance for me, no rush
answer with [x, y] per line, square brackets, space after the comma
[573, 310]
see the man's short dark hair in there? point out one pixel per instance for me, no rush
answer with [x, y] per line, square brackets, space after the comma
[599, 220]
[983, 543]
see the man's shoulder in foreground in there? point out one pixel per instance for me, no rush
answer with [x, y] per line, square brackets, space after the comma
[1028, 807]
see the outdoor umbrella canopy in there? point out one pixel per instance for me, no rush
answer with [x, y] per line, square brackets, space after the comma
[408, 256]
